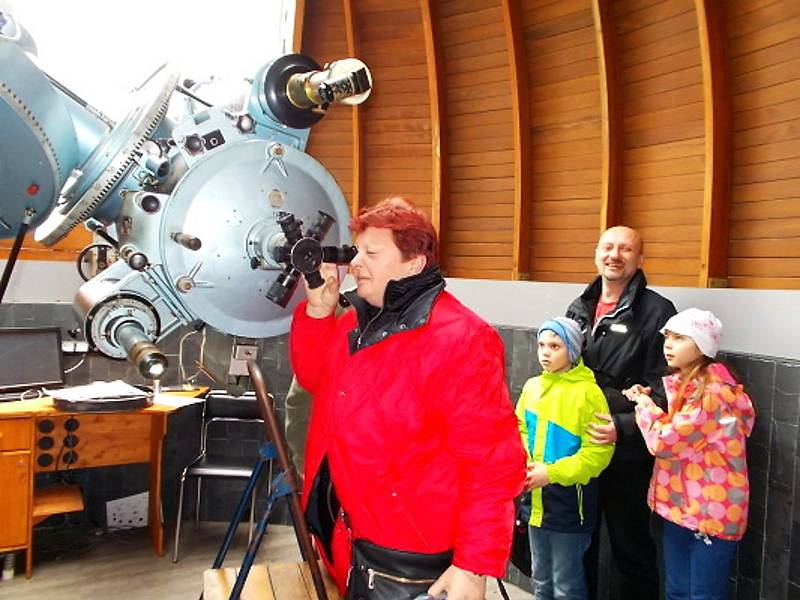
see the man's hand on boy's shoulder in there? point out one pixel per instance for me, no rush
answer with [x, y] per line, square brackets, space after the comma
[604, 432]
[536, 476]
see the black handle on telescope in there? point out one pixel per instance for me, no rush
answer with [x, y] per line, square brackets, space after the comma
[304, 253]
[12, 257]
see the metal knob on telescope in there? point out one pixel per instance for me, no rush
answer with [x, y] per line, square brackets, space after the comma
[187, 241]
[283, 287]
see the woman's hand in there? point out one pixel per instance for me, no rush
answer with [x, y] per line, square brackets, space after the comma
[459, 585]
[322, 300]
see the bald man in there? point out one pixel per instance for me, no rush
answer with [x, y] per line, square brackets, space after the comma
[621, 318]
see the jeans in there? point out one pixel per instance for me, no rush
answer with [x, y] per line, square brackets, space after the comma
[697, 566]
[557, 564]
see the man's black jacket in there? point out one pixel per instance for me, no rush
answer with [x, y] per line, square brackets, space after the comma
[625, 348]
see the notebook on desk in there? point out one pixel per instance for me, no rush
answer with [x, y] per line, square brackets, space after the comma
[100, 396]
[30, 359]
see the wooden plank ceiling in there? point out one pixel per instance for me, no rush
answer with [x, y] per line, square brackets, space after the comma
[525, 127]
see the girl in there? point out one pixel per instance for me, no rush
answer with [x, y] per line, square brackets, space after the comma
[699, 486]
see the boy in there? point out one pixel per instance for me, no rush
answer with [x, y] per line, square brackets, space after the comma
[554, 411]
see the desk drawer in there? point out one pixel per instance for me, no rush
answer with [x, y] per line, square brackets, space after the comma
[15, 434]
[79, 441]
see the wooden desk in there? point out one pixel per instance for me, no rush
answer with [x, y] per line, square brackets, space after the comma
[32, 440]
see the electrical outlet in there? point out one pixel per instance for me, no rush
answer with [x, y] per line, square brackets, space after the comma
[74, 347]
[128, 512]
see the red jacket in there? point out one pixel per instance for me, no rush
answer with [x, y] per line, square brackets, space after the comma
[419, 432]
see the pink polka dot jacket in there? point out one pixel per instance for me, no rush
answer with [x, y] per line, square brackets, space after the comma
[700, 475]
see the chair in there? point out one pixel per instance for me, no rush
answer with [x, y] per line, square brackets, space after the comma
[221, 408]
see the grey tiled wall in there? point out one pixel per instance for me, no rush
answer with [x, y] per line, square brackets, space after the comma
[768, 563]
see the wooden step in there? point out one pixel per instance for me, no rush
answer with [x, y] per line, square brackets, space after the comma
[274, 581]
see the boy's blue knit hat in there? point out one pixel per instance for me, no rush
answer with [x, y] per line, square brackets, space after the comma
[569, 331]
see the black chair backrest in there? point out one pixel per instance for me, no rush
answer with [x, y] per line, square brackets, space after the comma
[221, 404]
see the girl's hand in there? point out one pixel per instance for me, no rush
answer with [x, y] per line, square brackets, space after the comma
[633, 392]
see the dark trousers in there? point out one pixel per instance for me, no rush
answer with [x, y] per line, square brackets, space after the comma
[697, 566]
[623, 501]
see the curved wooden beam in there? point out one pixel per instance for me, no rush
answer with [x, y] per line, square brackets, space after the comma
[299, 20]
[65, 250]
[433, 61]
[611, 114]
[356, 201]
[718, 145]
[512, 21]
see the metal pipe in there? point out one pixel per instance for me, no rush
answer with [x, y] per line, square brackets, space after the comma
[15, 248]
[276, 434]
[142, 352]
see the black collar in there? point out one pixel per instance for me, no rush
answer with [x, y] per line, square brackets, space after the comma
[637, 284]
[407, 304]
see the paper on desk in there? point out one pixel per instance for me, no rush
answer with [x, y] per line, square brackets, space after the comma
[98, 390]
[174, 400]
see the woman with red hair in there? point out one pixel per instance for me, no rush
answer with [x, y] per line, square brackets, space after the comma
[413, 458]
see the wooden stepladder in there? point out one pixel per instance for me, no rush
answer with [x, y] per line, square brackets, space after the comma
[284, 581]
[274, 581]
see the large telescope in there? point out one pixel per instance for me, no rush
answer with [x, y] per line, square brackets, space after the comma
[196, 209]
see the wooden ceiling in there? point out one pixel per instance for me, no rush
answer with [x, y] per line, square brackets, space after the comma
[526, 127]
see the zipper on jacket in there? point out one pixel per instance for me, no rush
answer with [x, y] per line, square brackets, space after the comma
[580, 501]
[366, 327]
[611, 315]
[349, 529]
[372, 573]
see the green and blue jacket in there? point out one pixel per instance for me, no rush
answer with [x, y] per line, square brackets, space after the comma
[553, 412]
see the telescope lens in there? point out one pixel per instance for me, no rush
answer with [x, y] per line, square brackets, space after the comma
[339, 255]
[321, 227]
[153, 366]
[290, 227]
